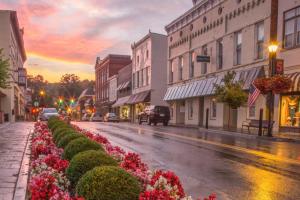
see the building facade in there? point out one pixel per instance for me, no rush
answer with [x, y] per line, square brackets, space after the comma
[234, 35]
[287, 106]
[149, 71]
[105, 69]
[12, 99]
[124, 91]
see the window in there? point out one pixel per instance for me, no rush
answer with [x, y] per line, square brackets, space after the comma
[220, 54]
[260, 38]
[204, 64]
[292, 28]
[180, 68]
[251, 111]
[147, 54]
[238, 48]
[141, 78]
[192, 64]
[148, 75]
[213, 108]
[171, 71]
[137, 79]
[138, 60]
[133, 80]
[190, 109]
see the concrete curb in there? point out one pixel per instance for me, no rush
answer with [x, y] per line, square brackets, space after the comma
[20, 192]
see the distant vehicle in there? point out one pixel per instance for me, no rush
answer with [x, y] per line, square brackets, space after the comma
[46, 113]
[96, 117]
[111, 117]
[86, 117]
[155, 114]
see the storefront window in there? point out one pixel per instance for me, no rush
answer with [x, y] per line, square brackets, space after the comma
[124, 114]
[290, 111]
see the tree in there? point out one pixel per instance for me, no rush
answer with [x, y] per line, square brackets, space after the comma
[70, 85]
[231, 92]
[4, 71]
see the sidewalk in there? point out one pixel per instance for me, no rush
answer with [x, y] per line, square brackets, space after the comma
[14, 162]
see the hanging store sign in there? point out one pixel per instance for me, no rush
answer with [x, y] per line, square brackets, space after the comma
[205, 59]
[22, 77]
[279, 66]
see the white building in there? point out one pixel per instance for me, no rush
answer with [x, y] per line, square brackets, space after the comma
[235, 34]
[149, 71]
[12, 100]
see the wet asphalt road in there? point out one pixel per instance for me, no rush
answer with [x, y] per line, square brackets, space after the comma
[231, 167]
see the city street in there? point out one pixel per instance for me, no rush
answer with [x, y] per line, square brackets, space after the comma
[232, 167]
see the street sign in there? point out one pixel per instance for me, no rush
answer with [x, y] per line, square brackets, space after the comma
[205, 59]
[279, 66]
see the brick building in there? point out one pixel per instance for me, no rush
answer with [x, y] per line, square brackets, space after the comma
[105, 69]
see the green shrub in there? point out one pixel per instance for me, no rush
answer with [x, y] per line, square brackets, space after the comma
[57, 125]
[86, 161]
[78, 145]
[103, 183]
[64, 141]
[60, 131]
[63, 134]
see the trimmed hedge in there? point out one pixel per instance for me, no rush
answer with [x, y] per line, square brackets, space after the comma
[85, 161]
[103, 183]
[78, 145]
[64, 141]
[62, 134]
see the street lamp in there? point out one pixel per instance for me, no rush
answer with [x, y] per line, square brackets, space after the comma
[273, 47]
[42, 93]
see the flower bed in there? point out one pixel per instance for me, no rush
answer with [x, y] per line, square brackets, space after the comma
[49, 181]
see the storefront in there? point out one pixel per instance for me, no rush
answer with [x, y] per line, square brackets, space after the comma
[122, 108]
[289, 119]
[138, 103]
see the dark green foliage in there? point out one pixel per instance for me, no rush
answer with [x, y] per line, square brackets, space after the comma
[64, 141]
[63, 134]
[231, 92]
[78, 145]
[59, 131]
[108, 183]
[85, 161]
[4, 71]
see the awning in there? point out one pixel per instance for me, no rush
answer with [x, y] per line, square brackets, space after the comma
[121, 101]
[205, 87]
[124, 85]
[139, 97]
[295, 77]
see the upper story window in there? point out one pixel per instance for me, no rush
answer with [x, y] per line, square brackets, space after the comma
[180, 68]
[138, 60]
[238, 48]
[204, 64]
[260, 38]
[171, 71]
[147, 54]
[192, 64]
[292, 28]
[148, 75]
[220, 54]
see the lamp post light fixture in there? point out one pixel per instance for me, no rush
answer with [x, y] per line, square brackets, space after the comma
[42, 93]
[273, 47]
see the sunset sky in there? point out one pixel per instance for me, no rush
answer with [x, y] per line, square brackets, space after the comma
[66, 36]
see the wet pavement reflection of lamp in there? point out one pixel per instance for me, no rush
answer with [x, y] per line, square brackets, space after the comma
[273, 47]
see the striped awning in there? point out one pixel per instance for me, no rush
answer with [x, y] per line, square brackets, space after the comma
[121, 101]
[124, 85]
[205, 87]
[295, 77]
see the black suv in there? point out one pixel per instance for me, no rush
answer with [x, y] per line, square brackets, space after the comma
[155, 114]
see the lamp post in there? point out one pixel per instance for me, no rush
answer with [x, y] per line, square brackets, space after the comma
[272, 61]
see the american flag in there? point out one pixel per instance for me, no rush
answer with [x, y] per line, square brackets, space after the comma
[253, 95]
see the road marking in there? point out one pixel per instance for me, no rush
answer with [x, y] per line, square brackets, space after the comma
[249, 151]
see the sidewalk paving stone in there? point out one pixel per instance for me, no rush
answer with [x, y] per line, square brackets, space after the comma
[13, 146]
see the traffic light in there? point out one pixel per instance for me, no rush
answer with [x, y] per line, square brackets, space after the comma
[72, 100]
[60, 101]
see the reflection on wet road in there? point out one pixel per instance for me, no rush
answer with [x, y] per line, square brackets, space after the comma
[233, 168]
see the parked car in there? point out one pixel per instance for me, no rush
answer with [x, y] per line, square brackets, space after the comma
[111, 117]
[96, 117]
[86, 117]
[155, 114]
[46, 113]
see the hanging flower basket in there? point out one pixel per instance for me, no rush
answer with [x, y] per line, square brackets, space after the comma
[276, 84]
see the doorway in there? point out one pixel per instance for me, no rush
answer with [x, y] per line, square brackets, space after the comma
[230, 118]
[201, 111]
